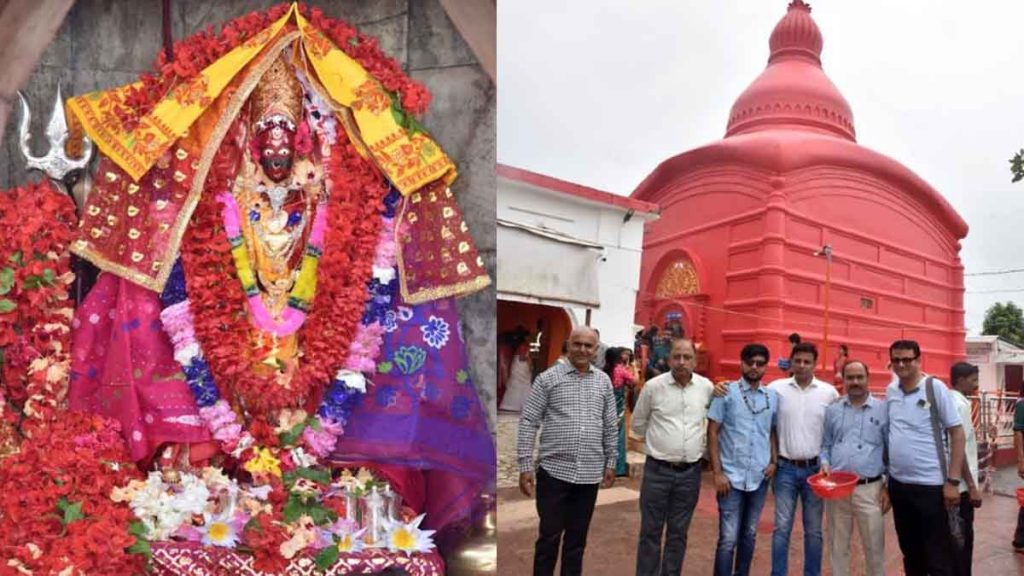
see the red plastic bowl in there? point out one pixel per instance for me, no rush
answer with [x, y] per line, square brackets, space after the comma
[1020, 496]
[835, 486]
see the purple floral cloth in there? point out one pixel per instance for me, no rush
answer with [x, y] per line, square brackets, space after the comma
[422, 412]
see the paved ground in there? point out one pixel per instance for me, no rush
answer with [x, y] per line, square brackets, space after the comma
[1006, 481]
[611, 548]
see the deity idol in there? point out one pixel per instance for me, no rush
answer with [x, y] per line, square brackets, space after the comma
[275, 235]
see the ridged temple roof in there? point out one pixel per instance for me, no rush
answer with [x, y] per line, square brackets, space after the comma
[793, 91]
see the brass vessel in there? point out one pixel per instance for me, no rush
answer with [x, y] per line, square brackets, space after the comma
[477, 555]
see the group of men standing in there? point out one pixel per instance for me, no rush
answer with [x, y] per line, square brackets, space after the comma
[907, 450]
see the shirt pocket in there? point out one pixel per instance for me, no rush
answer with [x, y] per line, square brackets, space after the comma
[592, 404]
[873, 432]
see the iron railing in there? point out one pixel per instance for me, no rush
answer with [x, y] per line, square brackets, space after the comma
[992, 418]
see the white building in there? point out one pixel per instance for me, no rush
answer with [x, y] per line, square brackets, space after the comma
[569, 247]
[1000, 364]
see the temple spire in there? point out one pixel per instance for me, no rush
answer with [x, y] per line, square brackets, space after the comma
[796, 35]
[793, 92]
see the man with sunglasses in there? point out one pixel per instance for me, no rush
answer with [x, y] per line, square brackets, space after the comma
[801, 420]
[920, 488]
[741, 426]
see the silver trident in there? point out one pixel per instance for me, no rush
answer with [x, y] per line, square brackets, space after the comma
[56, 164]
[63, 171]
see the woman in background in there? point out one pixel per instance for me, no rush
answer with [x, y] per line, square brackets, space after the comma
[837, 366]
[520, 377]
[616, 368]
[632, 392]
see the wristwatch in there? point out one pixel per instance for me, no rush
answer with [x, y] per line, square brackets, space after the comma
[954, 482]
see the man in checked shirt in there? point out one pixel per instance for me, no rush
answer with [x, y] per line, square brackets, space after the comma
[574, 406]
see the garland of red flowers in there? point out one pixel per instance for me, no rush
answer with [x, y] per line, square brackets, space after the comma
[55, 510]
[55, 506]
[221, 322]
[37, 225]
[203, 48]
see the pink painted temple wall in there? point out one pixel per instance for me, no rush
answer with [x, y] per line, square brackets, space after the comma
[733, 251]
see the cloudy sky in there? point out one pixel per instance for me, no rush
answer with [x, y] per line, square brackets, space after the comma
[600, 91]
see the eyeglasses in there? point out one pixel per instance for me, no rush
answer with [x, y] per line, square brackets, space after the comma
[756, 363]
[902, 361]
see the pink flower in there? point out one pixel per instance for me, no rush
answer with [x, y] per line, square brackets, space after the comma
[321, 443]
[228, 434]
[365, 347]
[287, 464]
[222, 422]
[387, 248]
[178, 324]
[330, 426]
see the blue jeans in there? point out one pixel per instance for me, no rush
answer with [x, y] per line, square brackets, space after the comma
[738, 513]
[791, 484]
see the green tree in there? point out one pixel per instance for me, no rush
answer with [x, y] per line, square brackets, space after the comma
[1006, 321]
[1017, 166]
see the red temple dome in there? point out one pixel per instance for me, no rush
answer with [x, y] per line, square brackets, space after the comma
[732, 258]
[793, 91]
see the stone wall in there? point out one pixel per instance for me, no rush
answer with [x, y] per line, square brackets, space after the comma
[107, 43]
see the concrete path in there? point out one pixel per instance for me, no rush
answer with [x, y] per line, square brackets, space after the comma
[611, 548]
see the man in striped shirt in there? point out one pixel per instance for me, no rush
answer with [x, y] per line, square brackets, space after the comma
[574, 407]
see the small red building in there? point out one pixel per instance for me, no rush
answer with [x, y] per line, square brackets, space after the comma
[736, 256]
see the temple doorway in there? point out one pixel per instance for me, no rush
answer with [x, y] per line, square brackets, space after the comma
[530, 338]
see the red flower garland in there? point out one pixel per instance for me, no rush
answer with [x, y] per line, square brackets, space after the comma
[67, 459]
[218, 303]
[80, 458]
[37, 225]
[203, 48]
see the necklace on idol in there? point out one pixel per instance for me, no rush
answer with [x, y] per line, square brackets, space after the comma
[264, 232]
[302, 282]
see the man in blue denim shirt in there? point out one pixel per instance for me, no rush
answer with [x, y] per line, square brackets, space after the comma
[855, 434]
[740, 429]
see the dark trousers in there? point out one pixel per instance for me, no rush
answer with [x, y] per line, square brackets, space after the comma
[965, 556]
[564, 509]
[1018, 536]
[667, 499]
[922, 528]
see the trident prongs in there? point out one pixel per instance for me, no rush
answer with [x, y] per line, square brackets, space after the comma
[55, 163]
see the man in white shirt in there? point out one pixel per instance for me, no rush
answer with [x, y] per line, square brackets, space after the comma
[671, 416]
[801, 425]
[964, 378]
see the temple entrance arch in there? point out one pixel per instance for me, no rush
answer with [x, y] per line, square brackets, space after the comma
[678, 277]
[679, 294]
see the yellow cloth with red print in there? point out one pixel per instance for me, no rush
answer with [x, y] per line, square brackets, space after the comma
[152, 172]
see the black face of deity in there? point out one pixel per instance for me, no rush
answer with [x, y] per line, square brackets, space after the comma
[276, 149]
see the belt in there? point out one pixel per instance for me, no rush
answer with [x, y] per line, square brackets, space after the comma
[811, 463]
[863, 481]
[673, 465]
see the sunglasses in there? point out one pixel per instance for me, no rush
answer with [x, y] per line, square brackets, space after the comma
[902, 361]
[756, 363]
